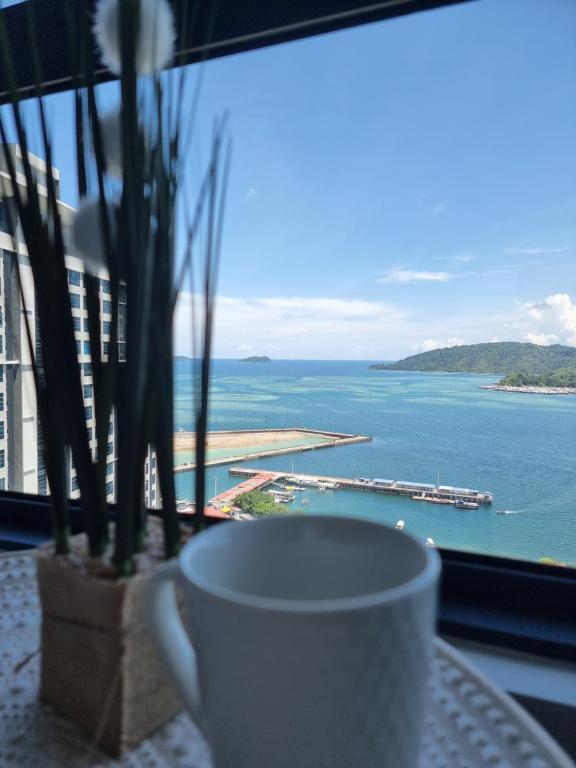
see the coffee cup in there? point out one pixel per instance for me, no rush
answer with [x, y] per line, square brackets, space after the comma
[308, 640]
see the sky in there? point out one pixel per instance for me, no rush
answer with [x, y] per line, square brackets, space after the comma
[395, 188]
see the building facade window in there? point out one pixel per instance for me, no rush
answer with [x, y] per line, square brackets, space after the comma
[107, 327]
[86, 326]
[87, 390]
[105, 286]
[76, 323]
[86, 347]
[110, 488]
[74, 483]
[109, 468]
[2, 430]
[88, 412]
[75, 300]
[87, 369]
[1, 373]
[106, 347]
[2, 458]
[107, 307]
[109, 449]
[74, 277]
[1, 401]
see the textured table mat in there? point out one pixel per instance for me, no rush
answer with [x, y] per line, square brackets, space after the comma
[471, 724]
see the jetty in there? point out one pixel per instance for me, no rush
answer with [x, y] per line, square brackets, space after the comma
[418, 491]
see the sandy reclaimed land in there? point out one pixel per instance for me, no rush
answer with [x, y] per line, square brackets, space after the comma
[186, 441]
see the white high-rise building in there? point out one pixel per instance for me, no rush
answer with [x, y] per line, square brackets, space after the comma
[21, 467]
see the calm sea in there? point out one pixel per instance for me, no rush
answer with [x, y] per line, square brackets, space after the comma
[520, 447]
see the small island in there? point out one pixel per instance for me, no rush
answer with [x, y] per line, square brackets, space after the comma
[560, 382]
[255, 359]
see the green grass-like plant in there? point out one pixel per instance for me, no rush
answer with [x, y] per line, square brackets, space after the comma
[137, 223]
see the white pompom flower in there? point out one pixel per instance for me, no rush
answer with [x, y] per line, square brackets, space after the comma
[155, 46]
[111, 132]
[88, 234]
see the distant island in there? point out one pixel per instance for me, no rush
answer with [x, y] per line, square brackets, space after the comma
[499, 357]
[181, 358]
[255, 359]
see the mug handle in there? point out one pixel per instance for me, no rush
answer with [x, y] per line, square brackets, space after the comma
[172, 639]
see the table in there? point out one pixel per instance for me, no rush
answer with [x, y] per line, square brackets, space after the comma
[471, 723]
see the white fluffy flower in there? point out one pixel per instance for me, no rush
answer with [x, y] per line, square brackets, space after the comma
[155, 39]
[88, 234]
[111, 132]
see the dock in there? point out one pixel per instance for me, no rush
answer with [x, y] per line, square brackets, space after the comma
[448, 493]
[255, 482]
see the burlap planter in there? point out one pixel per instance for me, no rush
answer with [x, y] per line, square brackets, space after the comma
[99, 667]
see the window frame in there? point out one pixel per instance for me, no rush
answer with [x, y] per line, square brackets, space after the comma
[505, 602]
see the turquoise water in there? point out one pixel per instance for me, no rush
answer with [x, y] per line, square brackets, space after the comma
[520, 447]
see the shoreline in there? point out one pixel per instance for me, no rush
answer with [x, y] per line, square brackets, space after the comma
[531, 390]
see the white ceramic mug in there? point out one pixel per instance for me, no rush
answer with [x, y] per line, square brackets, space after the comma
[312, 638]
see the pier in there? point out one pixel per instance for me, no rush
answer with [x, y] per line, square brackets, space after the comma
[255, 482]
[422, 491]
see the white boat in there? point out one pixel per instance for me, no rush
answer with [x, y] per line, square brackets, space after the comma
[400, 525]
[430, 542]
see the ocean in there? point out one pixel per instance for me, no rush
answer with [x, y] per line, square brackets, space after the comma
[520, 447]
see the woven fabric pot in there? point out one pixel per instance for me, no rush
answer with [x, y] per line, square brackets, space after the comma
[99, 667]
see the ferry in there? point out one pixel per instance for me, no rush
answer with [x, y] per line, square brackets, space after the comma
[461, 504]
[431, 499]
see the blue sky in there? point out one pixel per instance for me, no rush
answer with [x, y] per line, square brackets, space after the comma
[396, 187]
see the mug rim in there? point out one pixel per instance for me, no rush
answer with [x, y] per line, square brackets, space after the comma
[423, 580]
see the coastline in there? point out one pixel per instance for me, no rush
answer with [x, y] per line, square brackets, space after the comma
[532, 390]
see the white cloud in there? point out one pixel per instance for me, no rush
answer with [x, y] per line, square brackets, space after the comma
[250, 193]
[512, 251]
[552, 320]
[340, 329]
[541, 338]
[297, 327]
[439, 208]
[429, 344]
[398, 275]
[461, 258]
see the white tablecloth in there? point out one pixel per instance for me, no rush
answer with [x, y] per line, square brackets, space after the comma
[470, 725]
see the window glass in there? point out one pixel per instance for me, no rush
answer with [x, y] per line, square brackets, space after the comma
[397, 189]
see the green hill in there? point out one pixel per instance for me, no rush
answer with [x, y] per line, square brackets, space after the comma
[497, 357]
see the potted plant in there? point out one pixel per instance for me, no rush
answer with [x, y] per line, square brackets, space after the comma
[98, 666]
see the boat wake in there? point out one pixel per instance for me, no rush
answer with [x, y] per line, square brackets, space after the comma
[510, 511]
